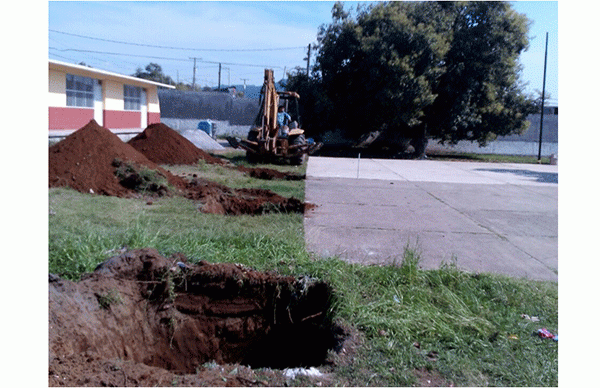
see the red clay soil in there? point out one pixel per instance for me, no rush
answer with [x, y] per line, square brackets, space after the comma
[269, 174]
[220, 199]
[85, 159]
[163, 145]
[141, 319]
[88, 159]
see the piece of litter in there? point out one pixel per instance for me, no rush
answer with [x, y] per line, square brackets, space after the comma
[513, 337]
[182, 265]
[291, 373]
[532, 319]
[544, 333]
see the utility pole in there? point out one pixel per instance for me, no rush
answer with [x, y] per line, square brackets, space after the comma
[219, 76]
[194, 78]
[308, 62]
[543, 98]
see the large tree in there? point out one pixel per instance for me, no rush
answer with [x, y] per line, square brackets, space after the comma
[154, 72]
[445, 70]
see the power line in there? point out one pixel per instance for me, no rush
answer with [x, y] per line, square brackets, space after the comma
[109, 53]
[165, 58]
[101, 60]
[178, 48]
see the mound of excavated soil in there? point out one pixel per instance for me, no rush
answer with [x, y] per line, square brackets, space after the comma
[163, 145]
[142, 319]
[270, 174]
[220, 199]
[89, 159]
[85, 160]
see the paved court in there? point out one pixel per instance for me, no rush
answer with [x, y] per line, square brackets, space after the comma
[485, 217]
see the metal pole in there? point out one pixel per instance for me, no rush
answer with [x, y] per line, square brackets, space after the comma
[219, 77]
[194, 78]
[308, 62]
[543, 99]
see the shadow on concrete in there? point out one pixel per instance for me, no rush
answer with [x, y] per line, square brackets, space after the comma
[541, 177]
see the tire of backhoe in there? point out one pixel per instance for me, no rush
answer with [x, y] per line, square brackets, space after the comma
[298, 160]
[252, 157]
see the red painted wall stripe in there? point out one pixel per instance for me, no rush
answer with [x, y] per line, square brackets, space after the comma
[153, 118]
[122, 119]
[75, 118]
[68, 118]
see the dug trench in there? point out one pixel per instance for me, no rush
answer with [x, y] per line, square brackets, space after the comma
[167, 313]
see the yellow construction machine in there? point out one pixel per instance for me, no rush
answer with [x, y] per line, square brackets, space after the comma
[269, 140]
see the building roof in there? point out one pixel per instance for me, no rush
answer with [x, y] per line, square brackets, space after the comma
[64, 66]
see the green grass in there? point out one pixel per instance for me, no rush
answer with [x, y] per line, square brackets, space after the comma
[471, 324]
[237, 179]
[489, 158]
[466, 319]
[86, 230]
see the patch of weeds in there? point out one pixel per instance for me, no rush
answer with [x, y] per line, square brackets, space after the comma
[210, 365]
[108, 299]
[409, 268]
[143, 179]
[202, 165]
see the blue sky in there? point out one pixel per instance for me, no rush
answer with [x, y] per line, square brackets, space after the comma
[215, 32]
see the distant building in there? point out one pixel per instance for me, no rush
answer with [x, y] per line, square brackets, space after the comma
[78, 94]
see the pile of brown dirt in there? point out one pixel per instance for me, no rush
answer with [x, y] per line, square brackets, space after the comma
[220, 199]
[85, 162]
[163, 145]
[270, 174]
[94, 160]
[142, 319]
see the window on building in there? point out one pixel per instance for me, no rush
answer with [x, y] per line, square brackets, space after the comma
[132, 97]
[80, 91]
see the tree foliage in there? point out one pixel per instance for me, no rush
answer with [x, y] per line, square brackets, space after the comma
[315, 107]
[446, 69]
[154, 72]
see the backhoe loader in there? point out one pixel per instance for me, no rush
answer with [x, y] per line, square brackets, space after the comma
[268, 141]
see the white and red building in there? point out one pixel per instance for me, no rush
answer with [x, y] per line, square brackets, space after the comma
[78, 94]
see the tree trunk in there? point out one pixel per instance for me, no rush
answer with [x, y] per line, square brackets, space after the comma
[420, 142]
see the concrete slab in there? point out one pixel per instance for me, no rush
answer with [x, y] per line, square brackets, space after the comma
[486, 217]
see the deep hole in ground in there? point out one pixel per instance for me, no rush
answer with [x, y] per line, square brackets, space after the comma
[167, 313]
